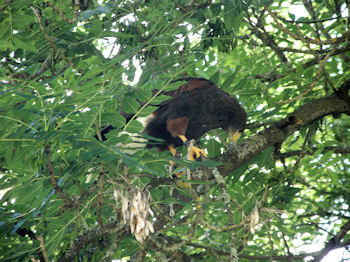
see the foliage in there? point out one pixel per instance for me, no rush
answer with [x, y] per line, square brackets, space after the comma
[68, 67]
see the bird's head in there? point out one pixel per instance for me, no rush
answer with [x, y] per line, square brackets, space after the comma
[235, 135]
[233, 118]
[236, 125]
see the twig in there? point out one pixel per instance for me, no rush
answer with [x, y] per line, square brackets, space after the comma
[65, 198]
[259, 30]
[48, 38]
[182, 60]
[319, 73]
[309, 21]
[98, 131]
[272, 76]
[225, 195]
[221, 229]
[308, 6]
[305, 39]
[42, 245]
[271, 244]
[311, 151]
[264, 197]
[100, 198]
[286, 244]
[329, 81]
[60, 13]
[82, 191]
[301, 155]
[334, 242]
[257, 125]
[258, 257]
[45, 65]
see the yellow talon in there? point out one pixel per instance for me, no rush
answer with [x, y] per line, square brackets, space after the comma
[172, 150]
[197, 153]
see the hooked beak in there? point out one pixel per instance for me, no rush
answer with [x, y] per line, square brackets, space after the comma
[234, 138]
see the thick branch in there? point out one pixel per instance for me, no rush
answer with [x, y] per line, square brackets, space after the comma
[335, 104]
[91, 236]
[334, 242]
[291, 257]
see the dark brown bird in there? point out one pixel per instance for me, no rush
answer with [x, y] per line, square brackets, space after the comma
[195, 108]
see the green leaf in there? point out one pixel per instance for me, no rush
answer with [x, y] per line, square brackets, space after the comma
[148, 110]
[159, 99]
[99, 10]
[214, 148]
[23, 45]
[134, 127]
[207, 163]
[143, 95]
[130, 105]
[115, 119]
[334, 177]
[4, 45]
[264, 159]
[20, 21]
[183, 192]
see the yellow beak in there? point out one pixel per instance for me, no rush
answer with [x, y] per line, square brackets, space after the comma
[235, 136]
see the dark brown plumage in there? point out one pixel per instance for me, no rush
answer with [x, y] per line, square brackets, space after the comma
[195, 108]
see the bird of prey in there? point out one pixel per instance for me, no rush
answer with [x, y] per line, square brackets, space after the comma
[192, 110]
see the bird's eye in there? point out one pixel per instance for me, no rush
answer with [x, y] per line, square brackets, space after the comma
[241, 131]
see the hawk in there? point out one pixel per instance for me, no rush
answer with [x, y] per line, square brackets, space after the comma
[193, 109]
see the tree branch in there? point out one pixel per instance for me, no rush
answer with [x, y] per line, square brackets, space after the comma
[331, 105]
[91, 236]
[309, 21]
[305, 39]
[272, 76]
[290, 257]
[334, 242]
[259, 30]
[61, 14]
[42, 245]
[48, 38]
[65, 198]
[100, 197]
[311, 151]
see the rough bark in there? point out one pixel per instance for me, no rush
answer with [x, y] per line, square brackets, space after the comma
[277, 133]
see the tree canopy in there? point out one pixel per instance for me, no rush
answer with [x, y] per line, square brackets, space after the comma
[69, 67]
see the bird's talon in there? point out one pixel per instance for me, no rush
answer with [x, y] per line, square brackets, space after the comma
[196, 153]
[177, 175]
